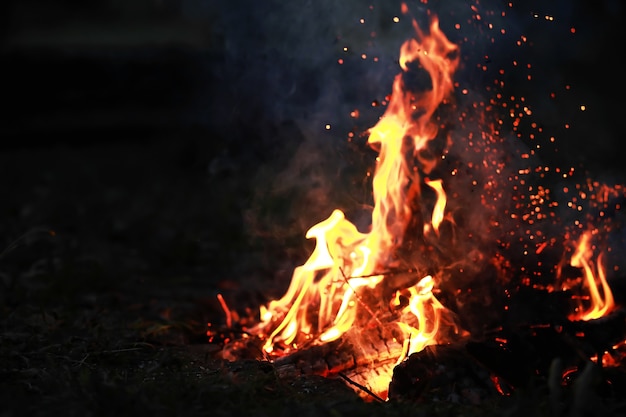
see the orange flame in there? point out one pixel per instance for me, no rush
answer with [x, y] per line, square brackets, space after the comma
[427, 320]
[440, 205]
[395, 180]
[323, 299]
[341, 258]
[594, 281]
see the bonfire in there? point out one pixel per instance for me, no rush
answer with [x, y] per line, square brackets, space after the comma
[437, 278]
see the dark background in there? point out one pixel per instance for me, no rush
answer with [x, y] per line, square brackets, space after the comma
[192, 132]
[109, 71]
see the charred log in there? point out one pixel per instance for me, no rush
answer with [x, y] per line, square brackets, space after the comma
[355, 352]
[441, 373]
[513, 358]
[527, 305]
[517, 355]
[363, 358]
[599, 335]
[524, 332]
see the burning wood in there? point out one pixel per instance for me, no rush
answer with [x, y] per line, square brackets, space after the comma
[394, 308]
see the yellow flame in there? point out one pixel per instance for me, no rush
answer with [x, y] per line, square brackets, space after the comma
[323, 298]
[321, 282]
[594, 281]
[440, 205]
[422, 310]
[406, 128]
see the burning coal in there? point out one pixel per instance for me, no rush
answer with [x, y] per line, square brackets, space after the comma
[411, 280]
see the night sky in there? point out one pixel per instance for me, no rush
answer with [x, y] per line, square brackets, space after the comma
[76, 73]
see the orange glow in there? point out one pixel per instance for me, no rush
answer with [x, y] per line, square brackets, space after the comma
[438, 211]
[323, 301]
[347, 291]
[594, 282]
[423, 310]
[229, 318]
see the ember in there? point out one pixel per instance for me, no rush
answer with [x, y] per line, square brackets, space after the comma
[437, 280]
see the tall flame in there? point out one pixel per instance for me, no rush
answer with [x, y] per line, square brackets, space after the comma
[323, 299]
[406, 127]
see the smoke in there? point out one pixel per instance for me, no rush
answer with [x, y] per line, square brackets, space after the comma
[301, 77]
[293, 73]
[297, 74]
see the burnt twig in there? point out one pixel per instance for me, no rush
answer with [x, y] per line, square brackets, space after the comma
[361, 387]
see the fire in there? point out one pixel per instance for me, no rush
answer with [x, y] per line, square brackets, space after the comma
[593, 281]
[329, 280]
[323, 301]
[420, 298]
[406, 127]
[342, 290]
[439, 210]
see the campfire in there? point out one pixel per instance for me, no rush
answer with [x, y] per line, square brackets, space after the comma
[459, 275]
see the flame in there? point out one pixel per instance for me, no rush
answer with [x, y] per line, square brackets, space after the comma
[323, 301]
[594, 281]
[406, 127]
[341, 258]
[325, 298]
[424, 309]
[440, 205]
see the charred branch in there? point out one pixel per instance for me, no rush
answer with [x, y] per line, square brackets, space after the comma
[441, 373]
[599, 335]
[355, 353]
